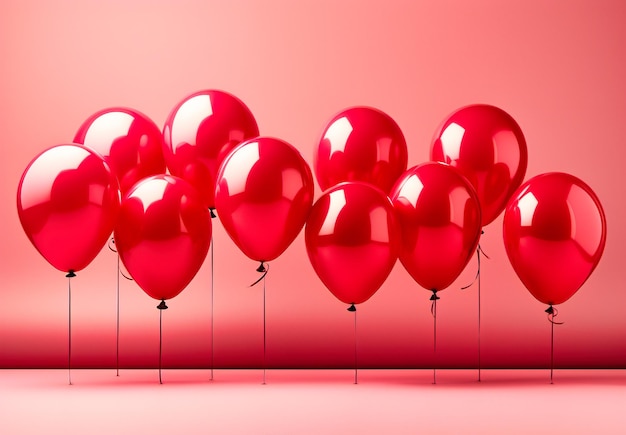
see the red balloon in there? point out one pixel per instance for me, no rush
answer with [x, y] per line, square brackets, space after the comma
[163, 235]
[352, 239]
[200, 132]
[360, 144]
[488, 147]
[554, 234]
[67, 201]
[439, 217]
[263, 196]
[130, 142]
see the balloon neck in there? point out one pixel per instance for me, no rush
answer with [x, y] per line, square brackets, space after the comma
[352, 308]
[70, 274]
[261, 268]
[550, 309]
[212, 211]
[162, 305]
[434, 296]
[482, 232]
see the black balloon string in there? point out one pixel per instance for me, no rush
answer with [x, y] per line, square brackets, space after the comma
[479, 251]
[552, 313]
[69, 277]
[112, 248]
[352, 308]
[263, 269]
[212, 311]
[162, 306]
[433, 310]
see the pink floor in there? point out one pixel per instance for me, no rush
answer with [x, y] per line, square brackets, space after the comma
[312, 402]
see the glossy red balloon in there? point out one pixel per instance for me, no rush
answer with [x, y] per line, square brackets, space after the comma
[67, 201]
[130, 142]
[360, 144]
[488, 147]
[439, 217]
[200, 132]
[163, 235]
[263, 196]
[554, 234]
[352, 239]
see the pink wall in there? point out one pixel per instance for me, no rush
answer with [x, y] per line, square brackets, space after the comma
[557, 67]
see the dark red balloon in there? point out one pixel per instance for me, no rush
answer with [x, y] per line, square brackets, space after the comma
[488, 147]
[439, 217]
[554, 234]
[360, 144]
[67, 201]
[163, 234]
[263, 196]
[200, 132]
[130, 142]
[352, 239]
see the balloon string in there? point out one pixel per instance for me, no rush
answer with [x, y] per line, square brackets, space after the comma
[263, 270]
[112, 248]
[264, 329]
[212, 312]
[162, 306]
[117, 330]
[352, 308]
[552, 313]
[433, 310]
[69, 277]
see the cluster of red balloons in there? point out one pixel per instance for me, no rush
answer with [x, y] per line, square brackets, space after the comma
[373, 210]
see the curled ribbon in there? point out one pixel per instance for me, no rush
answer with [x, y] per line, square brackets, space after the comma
[552, 313]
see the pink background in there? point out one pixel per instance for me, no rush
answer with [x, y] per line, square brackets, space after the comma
[557, 67]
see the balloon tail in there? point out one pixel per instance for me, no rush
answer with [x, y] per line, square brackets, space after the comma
[433, 310]
[352, 308]
[212, 311]
[69, 277]
[212, 211]
[552, 313]
[162, 306]
[261, 269]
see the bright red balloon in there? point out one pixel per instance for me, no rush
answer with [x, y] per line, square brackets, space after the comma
[554, 234]
[360, 144]
[263, 196]
[200, 132]
[352, 239]
[488, 147]
[67, 201]
[163, 235]
[439, 217]
[130, 142]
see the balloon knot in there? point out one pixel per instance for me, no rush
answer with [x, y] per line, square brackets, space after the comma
[552, 313]
[70, 274]
[434, 296]
[212, 211]
[352, 308]
[261, 269]
[162, 305]
[111, 245]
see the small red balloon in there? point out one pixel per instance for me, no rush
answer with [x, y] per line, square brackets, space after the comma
[263, 196]
[200, 132]
[361, 144]
[439, 217]
[488, 147]
[554, 234]
[67, 201]
[130, 142]
[352, 239]
[163, 235]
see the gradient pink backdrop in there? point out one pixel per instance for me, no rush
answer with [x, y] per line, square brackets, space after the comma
[557, 67]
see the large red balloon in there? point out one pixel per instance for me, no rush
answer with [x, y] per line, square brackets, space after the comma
[439, 217]
[130, 142]
[488, 147]
[352, 239]
[263, 196]
[67, 201]
[200, 132]
[163, 235]
[360, 144]
[554, 234]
